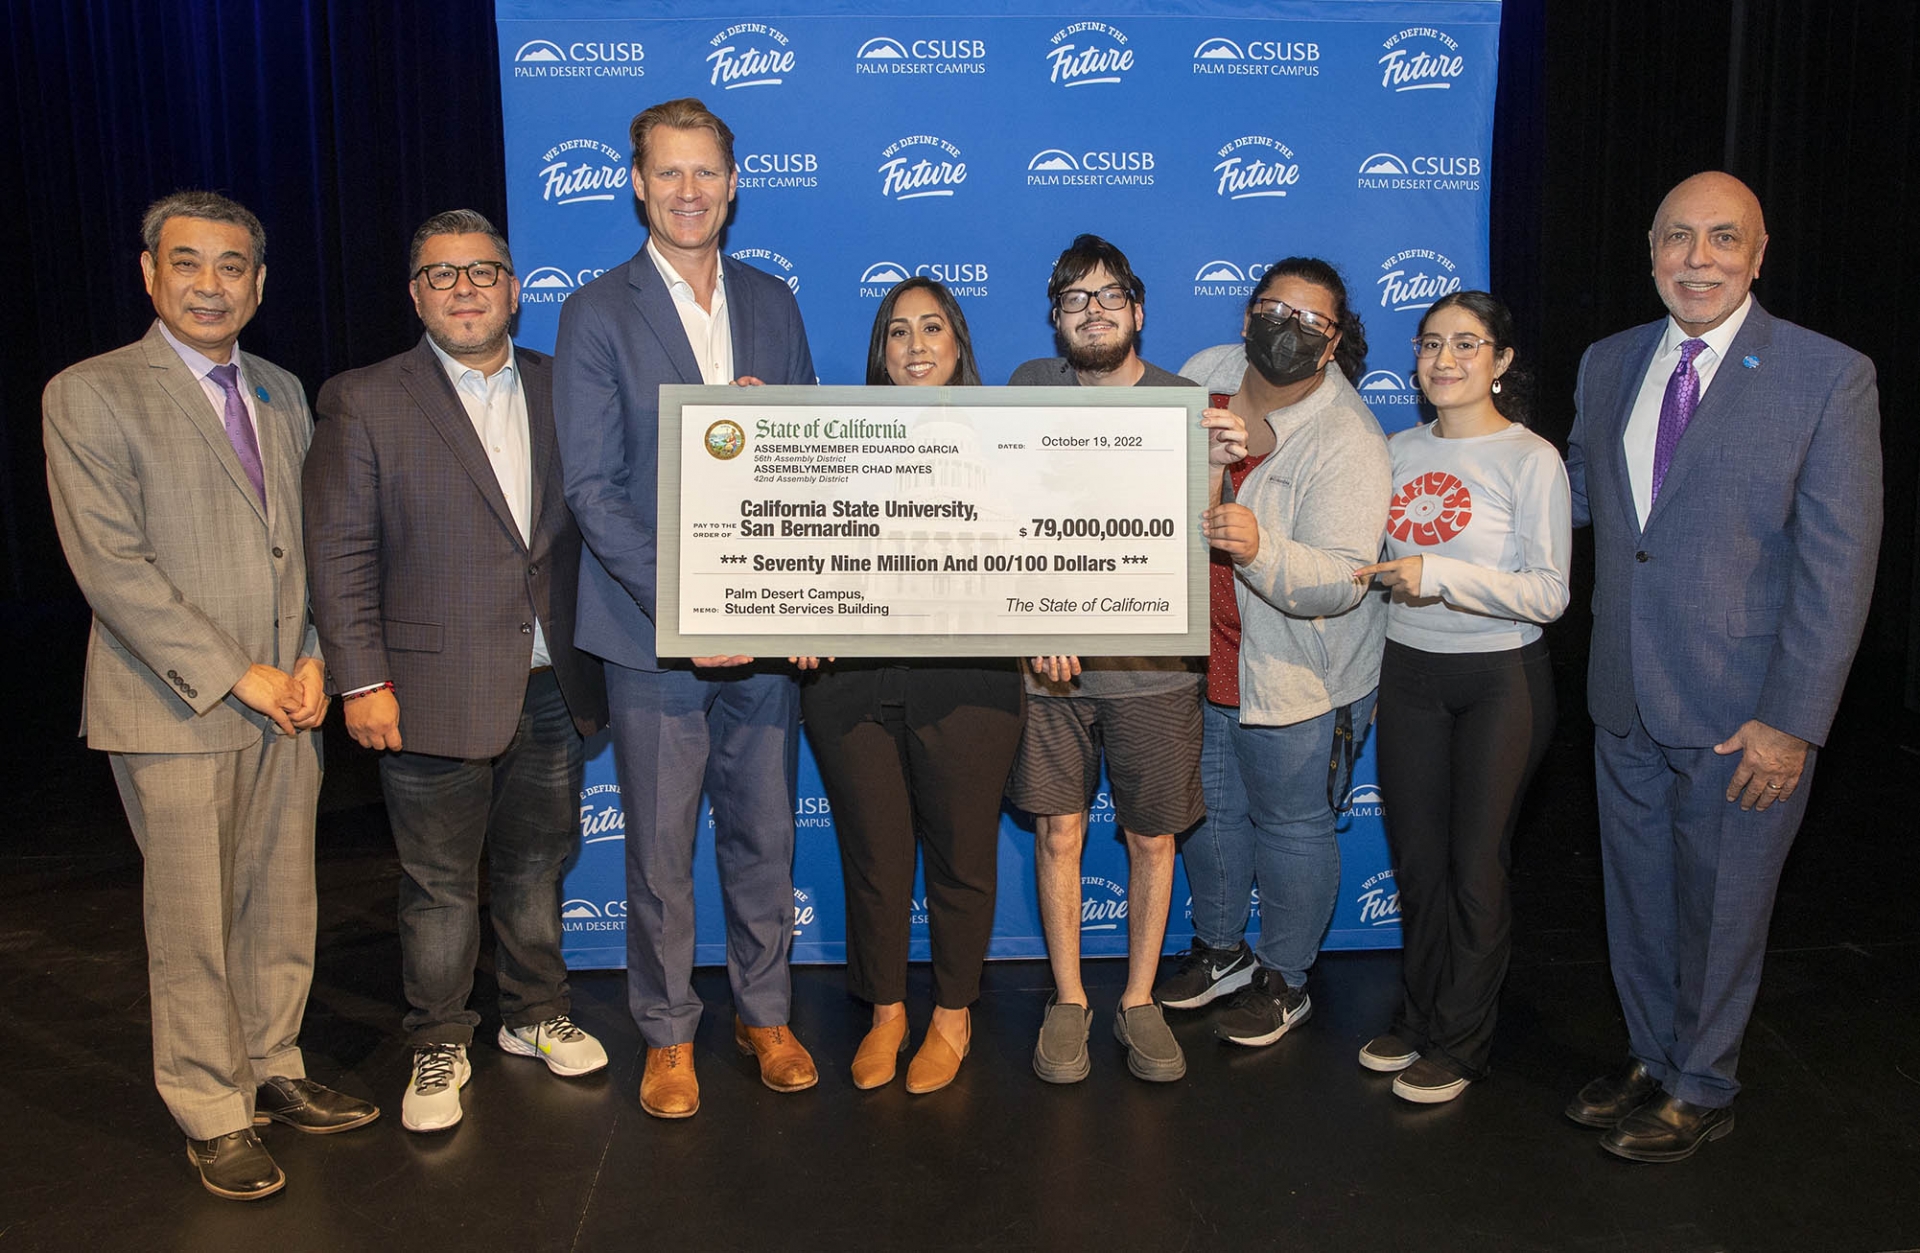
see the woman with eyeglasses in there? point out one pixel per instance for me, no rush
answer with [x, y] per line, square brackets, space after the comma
[1478, 537]
[914, 758]
[1295, 653]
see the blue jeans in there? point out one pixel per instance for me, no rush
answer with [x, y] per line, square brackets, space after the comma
[523, 807]
[1268, 821]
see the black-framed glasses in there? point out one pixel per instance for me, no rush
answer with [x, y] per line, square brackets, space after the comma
[1463, 347]
[442, 276]
[1074, 299]
[1280, 311]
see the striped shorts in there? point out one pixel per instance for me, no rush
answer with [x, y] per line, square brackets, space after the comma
[1152, 743]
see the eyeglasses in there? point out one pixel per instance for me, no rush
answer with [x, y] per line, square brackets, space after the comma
[1463, 347]
[479, 273]
[1280, 311]
[1074, 299]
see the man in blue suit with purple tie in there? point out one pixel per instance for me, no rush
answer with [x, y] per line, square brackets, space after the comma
[680, 312]
[1729, 463]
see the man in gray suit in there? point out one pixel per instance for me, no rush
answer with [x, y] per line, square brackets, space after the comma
[1729, 463]
[680, 312]
[174, 468]
[444, 568]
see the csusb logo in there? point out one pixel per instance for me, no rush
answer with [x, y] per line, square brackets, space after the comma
[601, 819]
[1056, 167]
[962, 278]
[1256, 57]
[751, 54]
[937, 171]
[582, 170]
[543, 58]
[1379, 900]
[1086, 53]
[881, 55]
[804, 914]
[550, 285]
[1412, 280]
[780, 169]
[1421, 59]
[1245, 175]
[1383, 171]
[1228, 278]
[810, 811]
[580, 914]
[1103, 904]
[1384, 387]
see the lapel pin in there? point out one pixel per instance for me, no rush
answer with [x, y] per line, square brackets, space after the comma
[265, 399]
[1750, 361]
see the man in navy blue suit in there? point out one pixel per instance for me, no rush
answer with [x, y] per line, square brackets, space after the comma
[680, 312]
[1729, 463]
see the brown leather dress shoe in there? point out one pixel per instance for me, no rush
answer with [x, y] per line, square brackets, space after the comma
[785, 1064]
[236, 1166]
[878, 1058]
[1666, 1129]
[668, 1086]
[938, 1061]
[1610, 1098]
[310, 1107]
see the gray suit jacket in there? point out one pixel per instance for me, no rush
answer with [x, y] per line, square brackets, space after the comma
[1745, 594]
[420, 574]
[190, 580]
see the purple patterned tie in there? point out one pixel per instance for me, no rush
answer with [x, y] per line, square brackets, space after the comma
[1676, 410]
[247, 448]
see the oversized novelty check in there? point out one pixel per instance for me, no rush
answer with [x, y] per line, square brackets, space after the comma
[931, 522]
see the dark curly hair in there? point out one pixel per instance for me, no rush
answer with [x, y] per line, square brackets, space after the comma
[1350, 354]
[1514, 400]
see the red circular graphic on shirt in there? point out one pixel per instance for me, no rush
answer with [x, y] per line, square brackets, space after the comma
[1430, 510]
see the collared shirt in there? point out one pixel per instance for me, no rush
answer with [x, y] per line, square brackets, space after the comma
[496, 404]
[1643, 424]
[708, 332]
[202, 365]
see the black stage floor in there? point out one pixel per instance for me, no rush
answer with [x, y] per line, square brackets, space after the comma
[1290, 1147]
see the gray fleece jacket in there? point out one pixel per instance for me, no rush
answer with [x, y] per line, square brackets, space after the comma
[1311, 640]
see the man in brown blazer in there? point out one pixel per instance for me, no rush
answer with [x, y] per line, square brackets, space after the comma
[444, 565]
[174, 470]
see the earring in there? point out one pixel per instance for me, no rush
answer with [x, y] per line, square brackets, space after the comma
[1496, 387]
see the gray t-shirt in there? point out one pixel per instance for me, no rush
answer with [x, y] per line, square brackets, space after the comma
[1111, 676]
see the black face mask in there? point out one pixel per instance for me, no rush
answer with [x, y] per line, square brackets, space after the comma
[1283, 352]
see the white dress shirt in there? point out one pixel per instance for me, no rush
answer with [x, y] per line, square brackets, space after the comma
[708, 333]
[1643, 425]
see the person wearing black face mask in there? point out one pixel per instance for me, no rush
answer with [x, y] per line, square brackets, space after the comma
[1296, 647]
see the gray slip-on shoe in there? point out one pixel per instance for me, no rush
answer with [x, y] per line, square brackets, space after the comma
[1152, 1052]
[1060, 1055]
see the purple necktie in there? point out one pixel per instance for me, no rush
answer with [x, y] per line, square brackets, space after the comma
[247, 448]
[1676, 410]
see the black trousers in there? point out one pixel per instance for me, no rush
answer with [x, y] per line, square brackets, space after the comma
[1459, 735]
[915, 758]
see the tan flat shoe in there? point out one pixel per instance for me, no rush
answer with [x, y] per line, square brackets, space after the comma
[878, 1056]
[937, 1062]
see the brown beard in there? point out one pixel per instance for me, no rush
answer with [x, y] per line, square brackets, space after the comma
[1100, 360]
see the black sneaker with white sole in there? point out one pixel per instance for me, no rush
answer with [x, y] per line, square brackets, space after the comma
[1263, 1011]
[1203, 974]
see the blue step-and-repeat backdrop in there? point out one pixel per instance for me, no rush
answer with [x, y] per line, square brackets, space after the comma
[1205, 139]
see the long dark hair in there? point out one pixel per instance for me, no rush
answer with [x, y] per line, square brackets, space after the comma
[965, 372]
[1351, 352]
[1514, 400]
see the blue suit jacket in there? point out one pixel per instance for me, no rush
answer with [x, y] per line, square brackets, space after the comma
[1745, 594]
[621, 338]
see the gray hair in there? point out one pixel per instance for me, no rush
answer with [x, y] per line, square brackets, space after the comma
[209, 206]
[455, 222]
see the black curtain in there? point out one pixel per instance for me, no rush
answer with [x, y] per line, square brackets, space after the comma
[345, 123]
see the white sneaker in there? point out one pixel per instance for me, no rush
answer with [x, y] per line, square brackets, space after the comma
[567, 1049]
[432, 1102]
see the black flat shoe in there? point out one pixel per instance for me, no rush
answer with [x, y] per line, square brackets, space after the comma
[310, 1107]
[1666, 1129]
[1608, 1099]
[236, 1166]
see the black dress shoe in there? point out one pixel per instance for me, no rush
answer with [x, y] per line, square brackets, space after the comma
[236, 1166]
[1608, 1099]
[1666, 1129]
[310, 1107]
